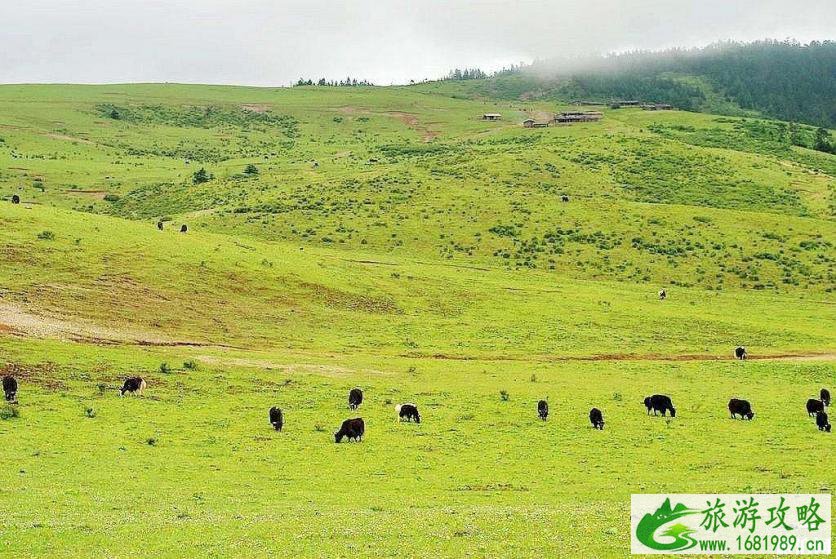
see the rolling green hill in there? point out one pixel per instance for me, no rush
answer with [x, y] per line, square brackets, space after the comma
[389, 238]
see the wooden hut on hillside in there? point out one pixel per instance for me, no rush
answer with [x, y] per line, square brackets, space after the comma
[491, 116]
[571, 117]
[531, 123]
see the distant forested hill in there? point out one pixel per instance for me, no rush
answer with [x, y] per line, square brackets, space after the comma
[785, 80]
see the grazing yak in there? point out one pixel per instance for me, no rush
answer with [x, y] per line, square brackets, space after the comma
[596, 418]
[564, 198]
[659, 403]
[663, 294]
[814, 406]
[409, 412]
[10, 388]
[825, 396]
[133, 385]
[15, 199]
[276, 418]
[352, 429]
[355, 398]
[742, 408]
[543, 409]
[184, 228]
[160, 225]
[821, 422]
[740, 352]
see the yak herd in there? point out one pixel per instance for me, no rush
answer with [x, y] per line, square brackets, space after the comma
[353, 429]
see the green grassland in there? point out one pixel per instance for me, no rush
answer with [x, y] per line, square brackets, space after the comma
[393, 240]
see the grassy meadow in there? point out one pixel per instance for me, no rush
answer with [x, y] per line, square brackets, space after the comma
[391, 239]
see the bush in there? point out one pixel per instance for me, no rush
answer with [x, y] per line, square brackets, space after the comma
[250, 169]
[9, 412]
[319, 428]
[504, 396]
[111, 197]
[151, 441]
[190, 365]
[90, 412]
[46, 236]
[533, 378]
[165, 368]
[200, 176]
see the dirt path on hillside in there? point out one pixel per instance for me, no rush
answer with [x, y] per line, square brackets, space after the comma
[409, 119]
[16, 321]
[821, 356]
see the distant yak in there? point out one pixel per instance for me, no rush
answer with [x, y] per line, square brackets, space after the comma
[543, 409]
[821, 422]
[564, 198]
[10, 388]
[596, 418]
[352, 429]
[133, 385]
[355, 398]
[276, 418]
[15, 199]
[825, 396]
[814, 406]
[742, 408]
[659, 403]
[408, 412]
[740, 352]
[160, 225]
[663, 294]
[184, 228]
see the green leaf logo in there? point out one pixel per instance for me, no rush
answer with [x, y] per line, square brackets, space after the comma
[650, 523]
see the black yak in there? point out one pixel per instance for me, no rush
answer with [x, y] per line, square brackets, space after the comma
[276, 418]
[160, 225]
[132, 385]
[184, 228]
[596, 418]
[564, 198]
[821, 422]
[663, 294]
[825, 396]
[814, 406]
[543, 409]
[408, 412]
[742, 408]
[355, 398]
[10, 388]
[15, 199]
[740, 352]
[352, 429]
[659, 403]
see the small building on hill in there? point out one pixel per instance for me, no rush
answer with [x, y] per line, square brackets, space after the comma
[531, 123]
[491, 116]
[570, 117]
[657, 107]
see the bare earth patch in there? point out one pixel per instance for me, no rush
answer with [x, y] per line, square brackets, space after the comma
[16, 321]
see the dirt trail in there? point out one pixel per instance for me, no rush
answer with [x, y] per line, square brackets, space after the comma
[823, 356]
[16, 321]
[409, 119]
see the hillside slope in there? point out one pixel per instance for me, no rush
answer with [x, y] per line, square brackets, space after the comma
[390, 239]
[668, 199]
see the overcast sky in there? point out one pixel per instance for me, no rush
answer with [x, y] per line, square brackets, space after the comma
[273, 42]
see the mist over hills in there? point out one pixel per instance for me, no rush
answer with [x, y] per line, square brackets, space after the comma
[786, 80]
